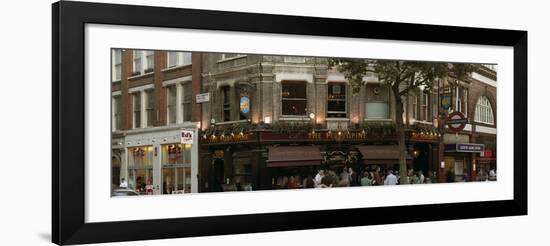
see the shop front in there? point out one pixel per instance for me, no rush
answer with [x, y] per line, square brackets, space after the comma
[460, 162]
[160, 161]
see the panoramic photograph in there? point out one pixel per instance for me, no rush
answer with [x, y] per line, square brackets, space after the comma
[197, 122]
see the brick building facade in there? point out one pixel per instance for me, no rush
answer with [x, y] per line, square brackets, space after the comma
[269, 117]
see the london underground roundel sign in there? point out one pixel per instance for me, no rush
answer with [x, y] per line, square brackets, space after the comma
[456, 121]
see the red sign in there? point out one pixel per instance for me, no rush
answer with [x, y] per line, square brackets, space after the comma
[456, 121]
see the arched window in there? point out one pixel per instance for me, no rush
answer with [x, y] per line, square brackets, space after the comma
[484, 111]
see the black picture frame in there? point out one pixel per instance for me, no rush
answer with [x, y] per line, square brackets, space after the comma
[68, 118]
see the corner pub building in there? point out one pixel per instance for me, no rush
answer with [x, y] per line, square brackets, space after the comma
[266, 117]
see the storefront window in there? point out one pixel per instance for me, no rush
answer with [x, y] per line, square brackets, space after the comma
[336, 100]
[294, 98]
[140, 169]
[176, 168]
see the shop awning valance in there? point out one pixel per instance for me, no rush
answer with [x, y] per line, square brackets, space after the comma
[381, 154]
[291, 156]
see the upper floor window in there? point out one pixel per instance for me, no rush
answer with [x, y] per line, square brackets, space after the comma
[425, 108]
[187, 97]
[150, 107]
[484, 111]
[336, 100]
[377, 105]
[295, 59]
[137, 110]
[117, 113]
[178, 103]
[171, 95]
[294, 98]
[415, 106]
[117, 65]
[229, 55]
[176, 59]
[150, 58]
[460, 95]
[226, 103]
[144, 61]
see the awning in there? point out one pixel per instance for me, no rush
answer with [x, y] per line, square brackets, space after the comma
[292, 156]
[381, 154]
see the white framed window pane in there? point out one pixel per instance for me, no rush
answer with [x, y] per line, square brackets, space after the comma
[186, 58]
[137, 61]
[172, 59]
[137, 110]
[171, 104]
[150, 95]
[150, 56]
[186, 102]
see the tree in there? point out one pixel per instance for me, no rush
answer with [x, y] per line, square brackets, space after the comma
[401, 77]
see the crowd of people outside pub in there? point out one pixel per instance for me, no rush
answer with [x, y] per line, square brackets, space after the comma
[372, 176]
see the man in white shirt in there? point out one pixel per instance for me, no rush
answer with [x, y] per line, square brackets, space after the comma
[123, 183]
[390, 179]
[318, 178]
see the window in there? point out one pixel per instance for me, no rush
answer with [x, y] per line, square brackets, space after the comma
[144, 62]
[229, 56]
[187, 97]
[484, 111]
[137, 110]
[171, 94]
[178, 59]
[460, 95]
[150, 107]
[138, 68]
[226, 99]
[140, 168]
[336, 100]
[150, 58]
[294, 98]
[425, 108]
[117, 65]
[415, 106]
[295, 59]
[377, 106]
[117, 113]
[176, 168]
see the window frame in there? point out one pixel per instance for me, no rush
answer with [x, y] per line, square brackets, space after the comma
[135, 124]
[145, 67]
[345, 92]
[282, 98]
[116, 66]
[180, 59]
[169, 115]
[484, 112]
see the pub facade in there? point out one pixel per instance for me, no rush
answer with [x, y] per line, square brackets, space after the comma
[278, 116]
